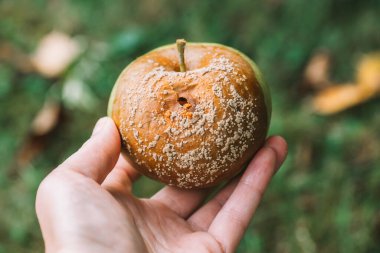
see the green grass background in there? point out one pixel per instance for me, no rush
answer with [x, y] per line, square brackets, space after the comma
[326, 197]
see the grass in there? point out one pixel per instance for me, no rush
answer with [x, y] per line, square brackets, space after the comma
[324, 199]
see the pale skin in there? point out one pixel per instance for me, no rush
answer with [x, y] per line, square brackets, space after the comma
[86, 204]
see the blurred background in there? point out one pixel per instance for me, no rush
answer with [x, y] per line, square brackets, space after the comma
[59, 60]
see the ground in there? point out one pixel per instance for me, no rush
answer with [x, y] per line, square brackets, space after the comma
[325, 197]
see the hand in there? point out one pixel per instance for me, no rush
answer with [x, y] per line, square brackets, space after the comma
[86, 204]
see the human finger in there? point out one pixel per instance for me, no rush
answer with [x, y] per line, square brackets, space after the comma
[183, 202]
[98, 155]
[203, 217]
[231, 221]
[122, 176]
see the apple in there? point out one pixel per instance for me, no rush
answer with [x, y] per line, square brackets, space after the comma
[191, 116]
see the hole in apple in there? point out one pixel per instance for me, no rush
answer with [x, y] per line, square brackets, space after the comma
[176, 68]
[182, 101]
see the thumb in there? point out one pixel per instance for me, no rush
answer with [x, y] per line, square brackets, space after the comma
[97, 157]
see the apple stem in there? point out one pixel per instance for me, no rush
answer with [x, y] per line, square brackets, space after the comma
[181, 43]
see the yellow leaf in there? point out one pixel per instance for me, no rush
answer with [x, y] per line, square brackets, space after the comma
[338, 98]
[368, 72]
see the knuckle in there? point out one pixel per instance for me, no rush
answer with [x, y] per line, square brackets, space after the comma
[43, 191]
[45, 185]
[53, 180]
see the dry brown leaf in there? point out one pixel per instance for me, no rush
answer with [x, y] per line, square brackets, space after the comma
[40, 135]
[303, 154]
[46, 119]
[368, 72]
[15, 57]
[338, 98]
[316, 74]
[32, 147]
[55, 52]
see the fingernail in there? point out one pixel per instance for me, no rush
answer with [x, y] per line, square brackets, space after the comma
[99, 126]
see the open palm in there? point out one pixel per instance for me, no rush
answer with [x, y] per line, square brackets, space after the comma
[86, 204]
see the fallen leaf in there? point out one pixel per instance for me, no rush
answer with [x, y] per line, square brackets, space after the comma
[316, 73]
[46, 119]
[41, 134]
[338, 98]
[31, 148]
[55, 52]
[303, 154]
[15, 57]
[368, 72]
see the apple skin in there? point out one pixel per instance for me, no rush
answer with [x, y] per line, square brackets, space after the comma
[237, 166]
[265, 88]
